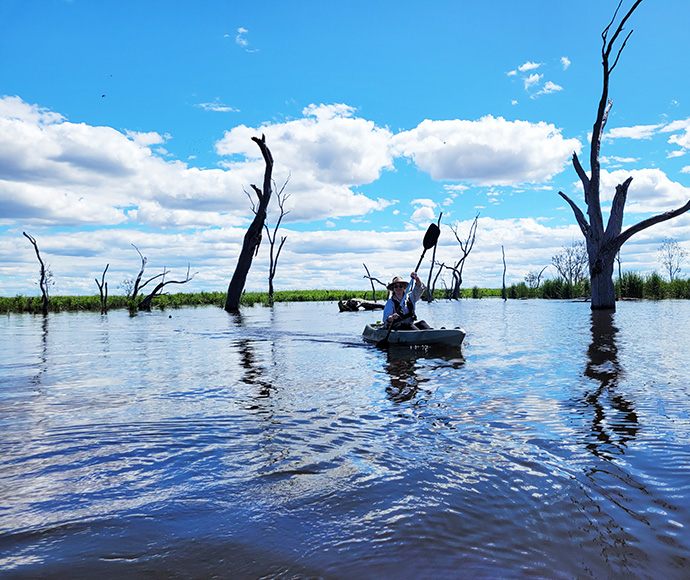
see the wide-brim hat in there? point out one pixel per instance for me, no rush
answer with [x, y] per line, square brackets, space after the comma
[396, 280]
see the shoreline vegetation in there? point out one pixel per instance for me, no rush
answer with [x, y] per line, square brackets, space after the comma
[630, 286]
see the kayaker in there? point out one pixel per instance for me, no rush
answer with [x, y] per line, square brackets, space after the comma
[396, 310]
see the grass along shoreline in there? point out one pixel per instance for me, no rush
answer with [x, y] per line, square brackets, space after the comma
[631, 285]
[33, 304]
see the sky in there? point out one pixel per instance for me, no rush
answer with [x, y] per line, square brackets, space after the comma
[127, 124]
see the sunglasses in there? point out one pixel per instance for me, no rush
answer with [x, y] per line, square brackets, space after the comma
[399, 285]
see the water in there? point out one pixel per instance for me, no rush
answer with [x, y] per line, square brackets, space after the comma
[276, 444]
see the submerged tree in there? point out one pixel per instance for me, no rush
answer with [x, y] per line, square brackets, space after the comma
[103, 290]
[252, 238]
[45, 275]
[133, 287]
[604, 244]
[274, 254]
[466, 246]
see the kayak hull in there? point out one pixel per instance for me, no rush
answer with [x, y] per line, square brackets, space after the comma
[434, 336]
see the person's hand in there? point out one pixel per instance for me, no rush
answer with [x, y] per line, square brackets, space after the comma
[393, 317]
[415, 277]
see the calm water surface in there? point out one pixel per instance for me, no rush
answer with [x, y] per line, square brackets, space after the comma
[276, 444]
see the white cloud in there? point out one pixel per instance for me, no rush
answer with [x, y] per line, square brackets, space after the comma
[532, 80]
[529, 66]
[650, 191]
[217, 107]
[636, 132]
[549, 87]
[565, 62]
[241, 40]
[328, 152]
[490, 151]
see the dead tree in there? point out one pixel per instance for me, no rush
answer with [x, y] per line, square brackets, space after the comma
[604, 244]
[252, 238]
[138, 285]
[466, 246]
[137, 281]
[103, 289]
[503, 289]
[45, 275]
[145, 304]
[372, 280]
[273, 254]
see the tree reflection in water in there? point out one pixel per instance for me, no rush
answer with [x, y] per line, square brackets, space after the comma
[614, 420]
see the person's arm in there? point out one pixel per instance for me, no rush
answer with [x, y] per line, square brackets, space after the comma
[388, 309]
[418, 289]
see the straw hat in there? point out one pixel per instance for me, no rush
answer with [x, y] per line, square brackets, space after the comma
[396, 280]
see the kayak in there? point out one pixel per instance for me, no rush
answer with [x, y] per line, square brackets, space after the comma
[432, 336]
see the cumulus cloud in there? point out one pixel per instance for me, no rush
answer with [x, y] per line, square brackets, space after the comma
[329, 152]
[651, 191]
[531, 80]
[529, 66]
[549, 87]
[565, 62]
[490, 151]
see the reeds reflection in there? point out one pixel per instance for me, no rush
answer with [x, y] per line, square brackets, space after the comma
[614, 420]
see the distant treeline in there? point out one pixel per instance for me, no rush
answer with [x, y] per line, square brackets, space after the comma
[630, 285]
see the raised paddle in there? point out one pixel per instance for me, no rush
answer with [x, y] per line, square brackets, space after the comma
[430, 239]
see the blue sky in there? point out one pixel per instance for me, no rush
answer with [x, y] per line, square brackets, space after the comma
[130, 123]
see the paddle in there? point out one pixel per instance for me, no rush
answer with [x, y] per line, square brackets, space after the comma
[430, 239]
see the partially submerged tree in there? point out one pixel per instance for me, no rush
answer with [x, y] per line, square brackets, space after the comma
[372, 279]
[272, 235]
[252, 238]
[604, 244]
[133, 287]
[671, 256]
[466, 246]
[103, 289]
[145, 304]
[45, 275]
[571, 262]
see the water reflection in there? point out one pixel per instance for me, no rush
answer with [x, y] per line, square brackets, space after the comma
[403, 363]
[614, 420]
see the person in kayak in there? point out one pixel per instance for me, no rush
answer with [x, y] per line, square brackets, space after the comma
[402, 314]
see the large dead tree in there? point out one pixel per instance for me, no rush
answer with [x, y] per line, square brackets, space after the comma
[44, 275]
[604, 244]
[252, 238]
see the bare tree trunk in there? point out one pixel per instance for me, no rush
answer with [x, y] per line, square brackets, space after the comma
[43, 280]
[604, 244]
[503, 291]
[273, 254]
[103, 289]
[252, 238]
